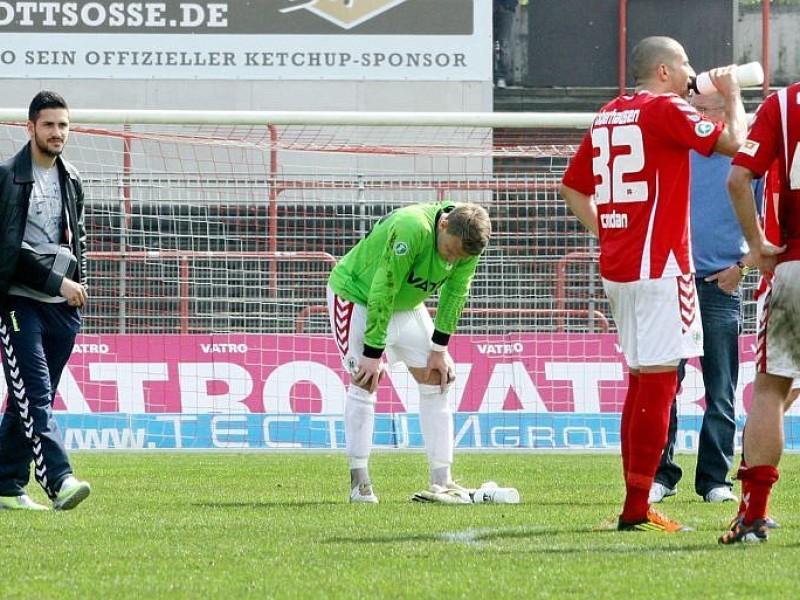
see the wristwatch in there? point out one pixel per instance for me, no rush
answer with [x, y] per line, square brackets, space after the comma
[744, 269]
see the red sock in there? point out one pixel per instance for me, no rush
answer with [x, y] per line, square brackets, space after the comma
[649, 422]
[745, 483]
[625, 421]
[760, 480]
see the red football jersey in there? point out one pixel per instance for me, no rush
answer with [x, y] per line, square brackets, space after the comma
[775, 136]
[634, 160]
[769, 204]
[769, 219]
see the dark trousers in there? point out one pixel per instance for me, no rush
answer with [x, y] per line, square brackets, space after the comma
[37, 340]
[721, 314]
[503, 27]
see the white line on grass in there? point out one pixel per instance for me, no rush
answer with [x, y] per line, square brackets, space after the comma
[469, 536]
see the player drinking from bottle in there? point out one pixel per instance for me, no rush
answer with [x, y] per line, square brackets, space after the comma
[628, 183]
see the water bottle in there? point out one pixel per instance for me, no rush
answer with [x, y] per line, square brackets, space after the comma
[490, 493]
[748, 75]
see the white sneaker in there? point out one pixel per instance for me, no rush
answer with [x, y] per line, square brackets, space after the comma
[22, 502]
[658, 491]
[720, 494]
[72, 493]
[363, 494]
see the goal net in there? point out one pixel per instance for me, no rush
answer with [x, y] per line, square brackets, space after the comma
[211, 237]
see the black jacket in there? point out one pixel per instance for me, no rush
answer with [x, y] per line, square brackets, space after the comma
[16, 183]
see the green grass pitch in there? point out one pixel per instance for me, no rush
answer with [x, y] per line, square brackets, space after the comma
[278, 525]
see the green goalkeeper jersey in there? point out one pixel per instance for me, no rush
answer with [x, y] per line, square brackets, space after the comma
[396, 267]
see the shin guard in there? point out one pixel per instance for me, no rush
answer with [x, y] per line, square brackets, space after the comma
[359, 424]
[436, 422]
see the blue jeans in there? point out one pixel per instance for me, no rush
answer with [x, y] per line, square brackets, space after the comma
[721, 315]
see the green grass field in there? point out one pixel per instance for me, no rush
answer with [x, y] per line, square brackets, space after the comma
[278, 525]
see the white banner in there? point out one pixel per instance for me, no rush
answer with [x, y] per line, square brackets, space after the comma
[375, 40]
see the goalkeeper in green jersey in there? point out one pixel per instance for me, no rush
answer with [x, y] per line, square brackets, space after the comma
[376, 296]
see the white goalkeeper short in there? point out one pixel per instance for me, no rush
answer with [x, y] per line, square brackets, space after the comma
[658, 320]
[408, 336]
[778, 314]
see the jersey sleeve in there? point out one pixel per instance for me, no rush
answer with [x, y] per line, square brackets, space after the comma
[579, 175]
[680, 122]
[453, 296]
[763, 140]
[395, 261]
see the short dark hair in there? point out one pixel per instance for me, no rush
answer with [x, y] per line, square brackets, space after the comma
[649, 53]
[44, 100]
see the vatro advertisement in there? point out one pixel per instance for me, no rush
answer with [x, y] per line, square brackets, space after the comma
[532, 391]
[375, 40]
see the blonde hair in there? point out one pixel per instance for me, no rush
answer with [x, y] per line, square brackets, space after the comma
[471, 223]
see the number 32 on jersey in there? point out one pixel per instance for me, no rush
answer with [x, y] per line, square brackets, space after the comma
[616, 183]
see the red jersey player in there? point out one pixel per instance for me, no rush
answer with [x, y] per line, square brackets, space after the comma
[774, 136]
[629, 184]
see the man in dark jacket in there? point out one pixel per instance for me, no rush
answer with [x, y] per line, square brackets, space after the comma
[503, 25]
[42, 289]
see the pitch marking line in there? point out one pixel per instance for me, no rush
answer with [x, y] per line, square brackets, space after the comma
[470, 536]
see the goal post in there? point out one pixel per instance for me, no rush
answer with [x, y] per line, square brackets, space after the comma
[211, 236]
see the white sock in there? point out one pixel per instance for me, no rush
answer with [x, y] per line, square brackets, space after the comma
[359, 423]
[436, 422]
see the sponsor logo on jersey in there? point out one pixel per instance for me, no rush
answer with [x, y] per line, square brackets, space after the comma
[749, 147]
[704, 128]
[401, 248]
[614, 220]
[422, 283]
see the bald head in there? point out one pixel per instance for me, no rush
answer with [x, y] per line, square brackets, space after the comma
[650, 53]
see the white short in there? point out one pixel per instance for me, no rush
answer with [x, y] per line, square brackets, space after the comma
[408, 336]
[658, 320]
[778, 339]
